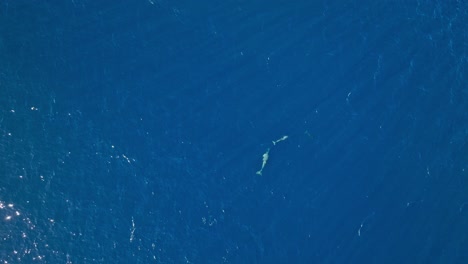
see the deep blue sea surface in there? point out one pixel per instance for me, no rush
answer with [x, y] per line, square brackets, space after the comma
[158, 131]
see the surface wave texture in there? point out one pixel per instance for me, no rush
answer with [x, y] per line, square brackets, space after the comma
[158, 131]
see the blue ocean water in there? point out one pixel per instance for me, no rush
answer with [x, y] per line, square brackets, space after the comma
[133, 131]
